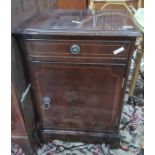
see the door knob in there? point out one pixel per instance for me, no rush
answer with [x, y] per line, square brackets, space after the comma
[75, 49]
[46, 102]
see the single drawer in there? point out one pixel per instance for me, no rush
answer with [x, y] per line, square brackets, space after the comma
[76, 50]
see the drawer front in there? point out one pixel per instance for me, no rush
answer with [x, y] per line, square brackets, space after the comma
[77, 97]
[76, 50]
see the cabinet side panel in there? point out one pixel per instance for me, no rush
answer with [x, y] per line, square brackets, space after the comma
[20, 84]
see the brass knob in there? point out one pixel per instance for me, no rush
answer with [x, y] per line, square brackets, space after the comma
[75, 49]
[46, 102]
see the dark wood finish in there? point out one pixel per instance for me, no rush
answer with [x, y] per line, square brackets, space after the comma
[59, 50]
[18, 127]
[72, 4]
[20, 84]
[79, 23]
[79, 95]
[19, 133]
[23, 120]
[78, 136]
[84, 92]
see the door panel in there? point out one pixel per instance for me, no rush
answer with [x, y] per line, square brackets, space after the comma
[82, 97]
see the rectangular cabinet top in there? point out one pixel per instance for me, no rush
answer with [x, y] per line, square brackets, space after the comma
[80, 22]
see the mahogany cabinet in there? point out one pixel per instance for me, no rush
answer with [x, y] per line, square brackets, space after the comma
[78, 64]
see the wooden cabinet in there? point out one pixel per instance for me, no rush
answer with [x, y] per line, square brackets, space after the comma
[70, 4]
[78, 65]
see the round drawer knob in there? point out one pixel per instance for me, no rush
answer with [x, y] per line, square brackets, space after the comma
[46, 102]
[75, 49]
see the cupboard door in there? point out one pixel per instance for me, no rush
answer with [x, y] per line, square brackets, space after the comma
[77, 97]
